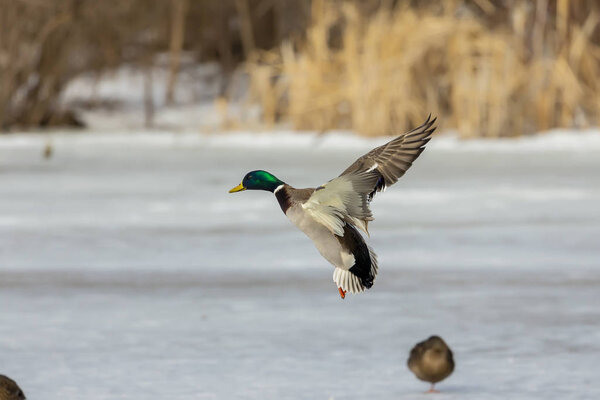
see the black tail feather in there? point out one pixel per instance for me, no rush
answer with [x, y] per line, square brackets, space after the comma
[362, 268]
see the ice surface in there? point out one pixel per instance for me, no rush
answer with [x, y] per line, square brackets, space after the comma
[128, 272]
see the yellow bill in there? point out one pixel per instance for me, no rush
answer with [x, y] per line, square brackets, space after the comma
[238, 188]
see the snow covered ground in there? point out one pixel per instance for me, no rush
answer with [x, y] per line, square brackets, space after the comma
[128, 272]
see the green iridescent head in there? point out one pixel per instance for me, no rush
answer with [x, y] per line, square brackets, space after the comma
[258, 180]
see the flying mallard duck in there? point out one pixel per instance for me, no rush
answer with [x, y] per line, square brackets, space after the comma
[330, 214]
[431, 361]
[9, 390]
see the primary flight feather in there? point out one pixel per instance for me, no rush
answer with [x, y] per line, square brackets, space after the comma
[332, 214]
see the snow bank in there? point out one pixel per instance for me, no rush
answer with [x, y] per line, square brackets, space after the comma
[555, 140]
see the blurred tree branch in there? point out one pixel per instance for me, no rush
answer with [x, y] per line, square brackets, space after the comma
[179, 10]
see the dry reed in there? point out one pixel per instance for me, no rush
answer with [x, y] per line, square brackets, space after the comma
[536, 69]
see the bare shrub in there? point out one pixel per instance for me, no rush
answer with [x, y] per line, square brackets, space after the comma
[45, 43]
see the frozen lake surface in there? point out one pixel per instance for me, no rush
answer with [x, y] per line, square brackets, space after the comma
[128, 272]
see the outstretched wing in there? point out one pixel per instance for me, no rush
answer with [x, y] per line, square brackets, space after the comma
[391, 160]
[346, 198]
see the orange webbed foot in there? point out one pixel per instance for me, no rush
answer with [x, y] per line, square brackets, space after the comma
[342, 293]
[432, 390]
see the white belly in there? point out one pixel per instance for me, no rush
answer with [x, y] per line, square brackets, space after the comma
[325, 241]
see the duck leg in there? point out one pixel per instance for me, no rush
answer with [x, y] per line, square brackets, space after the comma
[342, 293]
[432, 390]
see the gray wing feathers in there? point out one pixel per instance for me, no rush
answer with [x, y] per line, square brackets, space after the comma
[357, 204]
[346, 198]
[340, 200]
[394, 158]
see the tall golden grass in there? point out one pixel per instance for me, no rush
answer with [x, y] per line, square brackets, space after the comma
[534, 67]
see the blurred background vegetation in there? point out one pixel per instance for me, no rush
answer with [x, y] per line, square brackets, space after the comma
[485, 67]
